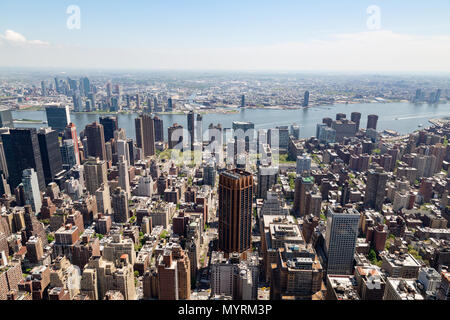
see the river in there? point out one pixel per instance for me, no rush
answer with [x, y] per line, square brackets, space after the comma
[401, 117]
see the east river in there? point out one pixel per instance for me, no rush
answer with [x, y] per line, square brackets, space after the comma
[401, 117]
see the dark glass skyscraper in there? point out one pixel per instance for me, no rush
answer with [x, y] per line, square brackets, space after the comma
[96, 140]
[50, 153]
[340, 240]
[110, 124]
[58, 117]
[22, 152]
[6, 119]
[306, 99]
[169, 105]
[235, 211]
[375, 188]
[131, 150]
[159, 129]
[191, 128]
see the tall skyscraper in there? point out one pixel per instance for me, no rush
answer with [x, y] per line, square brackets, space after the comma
[295, 131]
[191, 128]
[306, 99]
[86, 85]
[145, 134]
[159, 129]
[50, 153]
[167, 276]
[302, 186]
[95, 140]
[169, 105]
[77, 103]
[68, 156]
[175, 135]
[372, 120]
[356, 118]
[31, 190]
[325, 134]
[94, 174]
[110, 124]
[119, 201]
[6, 120]
[199, 129]
[71, 133]
[375, 188]
[123, 150]
[437, 96]
[43, 88]
[156, 107]
[235, 211]
[243, 101]
[131, 151]
[209, 174]
[340, 240]
[303, 164]
[3, 163]
[109, 90]
[243, 132]
[278, 138]
[56, 84]
[91, 97]
[138, 101]
[138, 129]
[58, 117]
[124, 178]
[22, 152]
[267, 177]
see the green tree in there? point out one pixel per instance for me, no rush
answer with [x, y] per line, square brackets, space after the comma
[372, 256]
[50, 238]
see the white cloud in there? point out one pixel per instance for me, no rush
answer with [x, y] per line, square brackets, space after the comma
[14, 38]
[365, 51]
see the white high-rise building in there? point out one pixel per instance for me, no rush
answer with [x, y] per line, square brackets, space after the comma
[235, 277]
[124, 178]
[31, 190]
[122, 150]
[267, 177]
[145, 186]
[103, 198]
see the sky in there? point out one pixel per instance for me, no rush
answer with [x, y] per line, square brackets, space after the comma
[319, 35]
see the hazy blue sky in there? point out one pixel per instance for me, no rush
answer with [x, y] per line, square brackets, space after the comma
[246, 34]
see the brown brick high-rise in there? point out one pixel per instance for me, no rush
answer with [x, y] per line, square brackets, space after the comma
[145, 134]
[235, 210]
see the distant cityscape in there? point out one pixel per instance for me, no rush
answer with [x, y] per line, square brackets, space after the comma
[168, 93]
[198, 211]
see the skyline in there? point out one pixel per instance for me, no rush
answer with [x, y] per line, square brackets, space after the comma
[238, 36]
